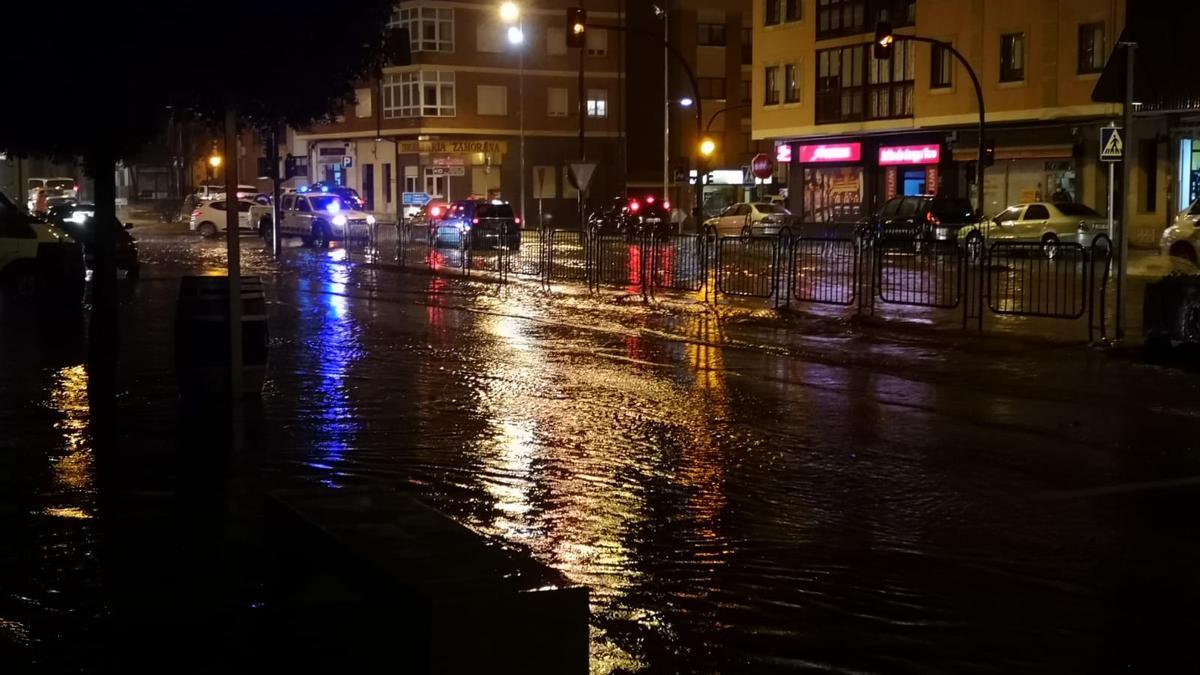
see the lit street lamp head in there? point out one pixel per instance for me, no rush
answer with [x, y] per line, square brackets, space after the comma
[214, 161]
[515, 35]
[707, 147]
[686, 102]
[509, 12]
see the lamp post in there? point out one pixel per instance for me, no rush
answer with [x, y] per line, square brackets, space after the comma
[510, 13]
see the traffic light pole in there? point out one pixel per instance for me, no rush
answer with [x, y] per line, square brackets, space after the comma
[687, 68]
[978, 98]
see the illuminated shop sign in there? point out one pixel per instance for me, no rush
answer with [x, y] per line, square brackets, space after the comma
[830, 152]
[909, 154]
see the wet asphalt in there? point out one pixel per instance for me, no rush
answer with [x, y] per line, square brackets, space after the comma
[741, 492]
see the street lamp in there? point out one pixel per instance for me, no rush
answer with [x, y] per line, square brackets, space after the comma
[510, 13]
[686, 102]
[214, 163]
[707, 147]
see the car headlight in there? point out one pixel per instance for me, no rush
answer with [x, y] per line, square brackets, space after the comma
[370, 219]
[339, 220]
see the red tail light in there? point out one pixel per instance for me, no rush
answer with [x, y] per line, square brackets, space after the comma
[196, 213]
[649, 199]
[932, 219]
[634, 205]
[474, 221]
[517, 220]
[435, 212]
[667, 205]
[77, 187]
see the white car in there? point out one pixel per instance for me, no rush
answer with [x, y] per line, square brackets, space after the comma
[208, 218]
[1181, 239]
[761, 217]
[61, 187]
[1047, 222]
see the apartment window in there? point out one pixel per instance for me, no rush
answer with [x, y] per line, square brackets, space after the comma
[1092, 50]
[424, 93]
[791, 10]
[491, 99]
[597, 103]
[711, 87]
[710, 34]
[771, 12]
[430, 29]
[852, 87]
[556, 102]
[744, 86]
[556, 41]
[771, 85]
[489, 37]
[1012, 57]
[791, 83]
[941, 67]
[851, 17]
[597, 42]
[747, 46]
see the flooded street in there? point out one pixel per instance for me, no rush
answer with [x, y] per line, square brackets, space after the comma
[741, 495]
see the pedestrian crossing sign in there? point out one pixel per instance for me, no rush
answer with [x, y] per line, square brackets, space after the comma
[1112, 146]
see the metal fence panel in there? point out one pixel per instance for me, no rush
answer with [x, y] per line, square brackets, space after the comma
[1036, 279]
[568, 256]
[747, 266]
[618, 259]
[919, 274]
[530, 257]
[824, 271]
[679, 262]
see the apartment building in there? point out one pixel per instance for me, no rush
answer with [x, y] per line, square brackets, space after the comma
[854, 131]
[480, 112]
[714, 37]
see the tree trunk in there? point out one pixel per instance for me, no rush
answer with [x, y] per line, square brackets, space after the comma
[104, 343]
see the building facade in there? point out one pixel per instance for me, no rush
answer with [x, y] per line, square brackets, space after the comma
[714, 37]
[480, 113]
[853, 131]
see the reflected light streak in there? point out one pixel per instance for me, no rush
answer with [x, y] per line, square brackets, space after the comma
[74, 469]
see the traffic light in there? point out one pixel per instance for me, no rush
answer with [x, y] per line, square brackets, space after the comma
[576, 27]
[989, 152]
[885, 41]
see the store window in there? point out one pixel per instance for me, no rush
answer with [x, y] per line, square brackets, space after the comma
[833, 194]
[941, 68]
[430, 29]
[1092, 49]
[1012, 57]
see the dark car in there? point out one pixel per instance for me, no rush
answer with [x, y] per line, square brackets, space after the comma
[79, 221]
[921, 217]
[348, 194]
[487, 222]
[631, 216]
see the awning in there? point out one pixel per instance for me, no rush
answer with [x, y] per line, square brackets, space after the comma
[1019, 152]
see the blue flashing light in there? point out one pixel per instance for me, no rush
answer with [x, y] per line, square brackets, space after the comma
[324, 188]
[302, 189]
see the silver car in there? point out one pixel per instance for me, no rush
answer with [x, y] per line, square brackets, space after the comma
[1180, 239]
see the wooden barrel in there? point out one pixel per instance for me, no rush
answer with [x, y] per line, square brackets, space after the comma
[202, 336]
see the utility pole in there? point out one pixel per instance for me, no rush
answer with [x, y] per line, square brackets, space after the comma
[1126, 201]
[233, 252]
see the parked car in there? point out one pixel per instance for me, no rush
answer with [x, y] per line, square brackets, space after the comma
[750, 217]
[631, 215]
[1047, 222]
[318, 219]
[209, 217]
[1181, 239]
[921, 217]
[38, 262]
[427, 217]
[486, 222]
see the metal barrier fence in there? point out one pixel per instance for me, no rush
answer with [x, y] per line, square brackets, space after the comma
[748, 266]
[919, 274]
[823, 271]
[1015, 279]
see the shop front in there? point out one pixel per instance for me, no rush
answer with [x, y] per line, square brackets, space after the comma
[909, 170]
[828, 184]
[1189, 169]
